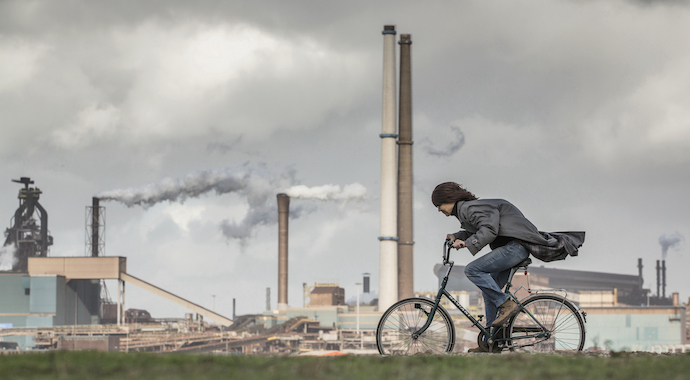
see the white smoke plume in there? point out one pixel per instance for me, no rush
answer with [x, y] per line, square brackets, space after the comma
[671, 241]
[252, 182]
[258, 185]
[7, 258]
[353, 191]
[453, 144]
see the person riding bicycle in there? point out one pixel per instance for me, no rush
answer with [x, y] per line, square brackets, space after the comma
[511, 237]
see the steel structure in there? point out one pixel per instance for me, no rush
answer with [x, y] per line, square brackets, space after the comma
[28, 234]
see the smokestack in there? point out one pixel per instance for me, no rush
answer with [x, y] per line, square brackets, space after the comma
[405, 233]
[366, 283]
[658, 279]
[234, 316]
[95, 218]
[639, 271]
[388, 247]
[283, 213]
[663, 278]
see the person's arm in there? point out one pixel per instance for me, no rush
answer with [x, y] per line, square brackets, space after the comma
[486, 219]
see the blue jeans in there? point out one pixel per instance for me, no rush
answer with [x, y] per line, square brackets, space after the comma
[490, 273]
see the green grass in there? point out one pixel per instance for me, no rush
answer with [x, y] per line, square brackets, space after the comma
[102, 366]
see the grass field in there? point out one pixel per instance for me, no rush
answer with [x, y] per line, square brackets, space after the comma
[101, 366]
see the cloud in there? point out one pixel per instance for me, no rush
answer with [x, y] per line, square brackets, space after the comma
[444, 147]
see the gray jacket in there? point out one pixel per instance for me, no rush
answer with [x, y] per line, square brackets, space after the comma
[486, 219]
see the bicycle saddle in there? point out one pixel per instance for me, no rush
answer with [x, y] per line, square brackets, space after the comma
[524, 263]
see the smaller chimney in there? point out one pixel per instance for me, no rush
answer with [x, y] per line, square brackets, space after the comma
[639, 269]
[663, 278]
[676, 299]
[95, 216]
[658, 279]
[366, 283]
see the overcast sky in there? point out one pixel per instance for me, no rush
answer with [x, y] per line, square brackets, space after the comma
[576, 111]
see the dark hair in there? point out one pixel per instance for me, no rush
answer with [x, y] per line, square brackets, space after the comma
[450, 192]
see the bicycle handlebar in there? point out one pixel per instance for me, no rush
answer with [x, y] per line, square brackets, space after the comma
[446, 250]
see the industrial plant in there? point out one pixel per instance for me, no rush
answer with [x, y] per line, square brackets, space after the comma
[60, 302]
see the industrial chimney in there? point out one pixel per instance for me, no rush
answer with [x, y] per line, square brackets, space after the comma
[405, 233]
[366, 283]
[658, 279]
[388, 247]
[283, 213]
[95, 226]
[663, 278]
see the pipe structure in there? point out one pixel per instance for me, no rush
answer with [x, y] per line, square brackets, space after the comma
[405, 230]
[283, 213]
[388, 240]
[365, 281]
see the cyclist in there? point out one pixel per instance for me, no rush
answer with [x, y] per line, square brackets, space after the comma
[511, 237]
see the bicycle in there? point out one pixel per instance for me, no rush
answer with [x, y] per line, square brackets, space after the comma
[546, 322]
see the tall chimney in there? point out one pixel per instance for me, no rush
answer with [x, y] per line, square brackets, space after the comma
[283, 213]
[405, 233]
[388, 247]
[663, 278]
[658, 279]
[95, 218]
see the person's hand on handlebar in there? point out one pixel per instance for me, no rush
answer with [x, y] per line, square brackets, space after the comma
[457, 243]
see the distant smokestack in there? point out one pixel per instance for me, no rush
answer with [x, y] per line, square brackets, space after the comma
[283, 213]
[658, 279]
[366, 283]
[95, 225]
[388, 247]
[663, 278]
[639, 275]
[405, 232]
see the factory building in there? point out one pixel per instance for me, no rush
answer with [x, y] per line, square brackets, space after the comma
[620, 314]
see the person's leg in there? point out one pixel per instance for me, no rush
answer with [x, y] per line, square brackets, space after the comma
[480, 272]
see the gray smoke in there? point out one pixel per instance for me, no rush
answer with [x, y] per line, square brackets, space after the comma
[671, 241]
[258, 185]
[7, 258]
[255, 183]
[454, 143]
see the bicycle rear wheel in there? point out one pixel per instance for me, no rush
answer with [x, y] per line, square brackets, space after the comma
[394, 335]
[564, 324]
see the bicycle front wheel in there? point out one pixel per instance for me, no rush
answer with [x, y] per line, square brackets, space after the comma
[394, 335]
[565, 328]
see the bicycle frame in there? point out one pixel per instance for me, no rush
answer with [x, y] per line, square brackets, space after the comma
[544, 333]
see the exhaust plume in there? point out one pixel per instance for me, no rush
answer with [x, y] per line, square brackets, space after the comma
[7, 258]
[258, 185]
[252, 182]
[353, 191]
[670, 241]
[456, 141]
